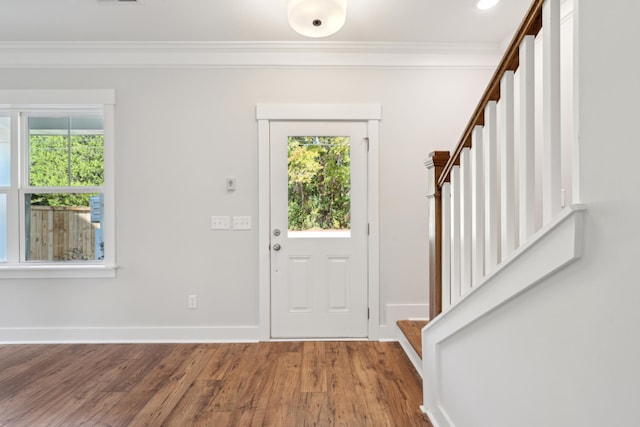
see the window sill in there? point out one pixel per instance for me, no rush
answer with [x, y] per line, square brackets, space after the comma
[50, 271]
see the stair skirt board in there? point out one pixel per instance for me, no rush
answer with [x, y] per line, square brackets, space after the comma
[411, 353]
[552, 248]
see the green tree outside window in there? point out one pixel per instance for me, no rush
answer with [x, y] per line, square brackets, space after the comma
[62, 161]
[319, 183]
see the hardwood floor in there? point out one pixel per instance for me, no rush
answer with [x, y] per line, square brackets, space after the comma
[261, 384]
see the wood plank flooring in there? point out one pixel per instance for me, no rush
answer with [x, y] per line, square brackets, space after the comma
[261, 384]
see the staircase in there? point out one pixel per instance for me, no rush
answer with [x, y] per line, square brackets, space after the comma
[503, 211]
[410, 338]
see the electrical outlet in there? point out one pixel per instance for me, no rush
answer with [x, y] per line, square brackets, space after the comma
[242, 223]
[219, 222]
[192, 301]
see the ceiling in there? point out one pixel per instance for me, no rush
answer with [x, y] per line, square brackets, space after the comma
[393, 21]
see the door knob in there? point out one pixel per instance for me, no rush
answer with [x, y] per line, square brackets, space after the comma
[276, 247]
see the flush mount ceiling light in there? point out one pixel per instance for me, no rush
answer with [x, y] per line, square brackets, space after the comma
[486, 4]
[317, 18]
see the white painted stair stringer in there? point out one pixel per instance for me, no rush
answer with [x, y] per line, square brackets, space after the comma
[552, 248]
[413, 356]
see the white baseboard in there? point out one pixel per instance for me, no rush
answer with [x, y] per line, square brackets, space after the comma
[395, 312]
[182, 334]
[429, 414]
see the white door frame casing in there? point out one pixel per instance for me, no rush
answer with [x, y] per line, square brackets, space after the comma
[265, 114]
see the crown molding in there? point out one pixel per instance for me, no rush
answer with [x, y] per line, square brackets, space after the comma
[248, 55]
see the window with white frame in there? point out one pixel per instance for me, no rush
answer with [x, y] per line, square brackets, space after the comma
[56, 186]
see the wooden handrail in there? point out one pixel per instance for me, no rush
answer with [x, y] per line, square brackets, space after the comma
[531, 25]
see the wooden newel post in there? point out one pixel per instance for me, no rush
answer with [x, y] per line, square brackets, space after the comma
[435, 164]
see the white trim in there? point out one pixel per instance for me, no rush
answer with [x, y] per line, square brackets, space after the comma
[23, 147]
[249, 55]
[103, 335]
[13, 196]
[109, 190]
[552, 248]
[289, 112]
[51, 271]
[395, 312]
[347, 112]
[391, 331]
[412, 355]
[264, 226]
[373, 200]
[25, 100]
[576, 192]
[429, 415]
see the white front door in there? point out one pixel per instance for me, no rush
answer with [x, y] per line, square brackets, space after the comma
[319, 285]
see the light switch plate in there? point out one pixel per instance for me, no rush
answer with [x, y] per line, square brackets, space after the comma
[242, 223]
[219, 222]
[231, 183]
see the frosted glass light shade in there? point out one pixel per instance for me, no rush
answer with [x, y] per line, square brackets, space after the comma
[486, 4]
[317, 18]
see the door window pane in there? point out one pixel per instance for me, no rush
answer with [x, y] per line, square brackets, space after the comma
[5, 152]
[319, 186]
[3, 227]
[64, 227]
[66, 151]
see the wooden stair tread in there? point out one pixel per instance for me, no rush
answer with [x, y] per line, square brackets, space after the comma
[412, 329]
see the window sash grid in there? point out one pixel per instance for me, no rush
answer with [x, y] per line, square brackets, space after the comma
[19, 105]
[64, 190]
[25, 188]
[13, 195]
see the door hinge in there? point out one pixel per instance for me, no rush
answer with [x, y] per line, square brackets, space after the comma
[366, 142]
[368, 313]
[368, 229]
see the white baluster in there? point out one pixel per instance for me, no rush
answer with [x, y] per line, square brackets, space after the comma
[507, 165]
[551, 176]
[477, 203]
[455, 234]
[492, 186]
[445, 197]
[527, 139]
[465, 220]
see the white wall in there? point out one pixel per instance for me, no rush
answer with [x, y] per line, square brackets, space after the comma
[180, 132]
[567, 352]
